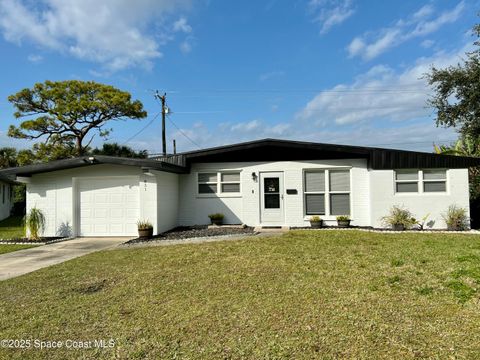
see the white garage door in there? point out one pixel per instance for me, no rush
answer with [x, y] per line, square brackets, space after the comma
[109, 206]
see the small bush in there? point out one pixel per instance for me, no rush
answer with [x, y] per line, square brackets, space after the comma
[456, 218]
[216, 216]
[399, 216]
[315, 218]
[35, 223]
[343, 218]
[144, 225]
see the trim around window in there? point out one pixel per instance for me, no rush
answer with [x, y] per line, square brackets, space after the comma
[219, 183]
[429, 181]
[327, 192]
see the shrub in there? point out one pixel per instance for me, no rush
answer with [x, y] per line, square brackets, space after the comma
[399, 216]
[35, 223]
[144, 225]
[343, 218]
[456, 218]
[315, 218]
[216, 216]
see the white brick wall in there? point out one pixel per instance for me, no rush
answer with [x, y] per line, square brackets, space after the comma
[383, 197]
[246, 208]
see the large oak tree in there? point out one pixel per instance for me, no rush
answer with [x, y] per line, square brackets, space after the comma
[71, 112]
[457, 93]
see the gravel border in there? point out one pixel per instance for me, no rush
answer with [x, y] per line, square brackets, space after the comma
[390, 231]
[30, 242]
[195, 232]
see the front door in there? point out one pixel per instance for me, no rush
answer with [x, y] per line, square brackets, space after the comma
[271, 198]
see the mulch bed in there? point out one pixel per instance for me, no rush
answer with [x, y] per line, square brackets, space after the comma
[188, 232]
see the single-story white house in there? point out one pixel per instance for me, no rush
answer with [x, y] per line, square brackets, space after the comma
[260, 183]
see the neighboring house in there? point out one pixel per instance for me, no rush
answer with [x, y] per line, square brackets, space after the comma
[6, 197]
[259, 183]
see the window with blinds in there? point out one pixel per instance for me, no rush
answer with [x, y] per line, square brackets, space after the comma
[339, 192]
[317, 193]
[414, 181]
[219, 182]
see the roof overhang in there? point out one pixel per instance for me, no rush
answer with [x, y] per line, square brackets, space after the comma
[144, 164]
[285, 150]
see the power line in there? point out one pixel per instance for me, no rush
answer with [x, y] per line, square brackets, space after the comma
[165, 111]
[142, 129]
[181, 132]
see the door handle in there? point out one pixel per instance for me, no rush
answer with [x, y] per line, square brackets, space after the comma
[282, 196]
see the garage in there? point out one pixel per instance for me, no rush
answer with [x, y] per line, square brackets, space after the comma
[108, 206]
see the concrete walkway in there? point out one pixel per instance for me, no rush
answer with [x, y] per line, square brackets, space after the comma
[21, 262]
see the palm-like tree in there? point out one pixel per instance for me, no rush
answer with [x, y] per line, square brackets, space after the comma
[465, 146]
[8, 157]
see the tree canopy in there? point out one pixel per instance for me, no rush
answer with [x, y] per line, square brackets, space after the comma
[457, 93]
[67, 112]
[114, 149]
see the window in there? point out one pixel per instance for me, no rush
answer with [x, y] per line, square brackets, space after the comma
[315, 192]
[406, 181]
[337, 193]
[230, 182]
[219, 183]
[434, 181]
[414, 181]
[207, 183]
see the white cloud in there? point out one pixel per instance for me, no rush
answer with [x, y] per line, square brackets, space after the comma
[114, 33]
[34, 58]
[181, 25]
[329, 13]
[427, 43]
[421, 23]
[380, 94]
[246, 126]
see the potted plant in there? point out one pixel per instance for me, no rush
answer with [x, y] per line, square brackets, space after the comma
[216, 219]
[456, 218]
[343, 221]
[145, 229]
[399, 219]
[316, 222]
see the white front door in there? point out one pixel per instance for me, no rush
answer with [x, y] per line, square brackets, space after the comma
[271, 198]
[108, 206]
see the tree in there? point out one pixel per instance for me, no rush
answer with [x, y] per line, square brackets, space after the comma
[114, 149]
[67, 112]
[466, 146]
[40, 153]
[8, 157]
[457, 93]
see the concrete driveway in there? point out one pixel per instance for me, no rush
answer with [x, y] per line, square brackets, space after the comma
[20, 262]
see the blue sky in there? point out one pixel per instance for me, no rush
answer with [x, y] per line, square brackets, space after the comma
[338, 71]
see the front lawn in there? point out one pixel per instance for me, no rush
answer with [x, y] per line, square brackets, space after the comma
[6, 248]
[12, 228]
[325, 294]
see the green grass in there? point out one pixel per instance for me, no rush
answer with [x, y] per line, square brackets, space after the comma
[12, 228]
[304, 295]
[6, 248]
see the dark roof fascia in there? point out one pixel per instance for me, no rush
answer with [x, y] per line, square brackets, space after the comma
[378, 158]
[28, 170]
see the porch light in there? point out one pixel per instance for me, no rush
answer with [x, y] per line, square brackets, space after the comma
[254, 176]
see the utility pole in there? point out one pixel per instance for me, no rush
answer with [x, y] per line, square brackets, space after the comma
[163, 100]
